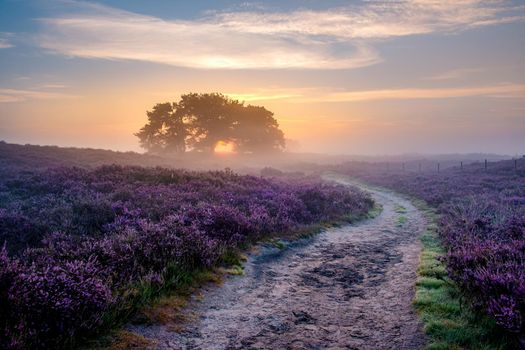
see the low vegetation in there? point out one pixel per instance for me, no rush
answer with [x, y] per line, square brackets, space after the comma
[481, 229]
[448, 322]
[85, 249]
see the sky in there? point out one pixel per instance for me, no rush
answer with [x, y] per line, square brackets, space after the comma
[342, 77]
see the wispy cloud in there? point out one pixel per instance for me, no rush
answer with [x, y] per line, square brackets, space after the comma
[53, 86]
[4, 41]
[18, 95]
[329, 39]
[498, 91]
[379, 19]
[326, 95]
[250, 97]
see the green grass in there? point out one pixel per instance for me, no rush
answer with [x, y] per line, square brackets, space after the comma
[400, 209]
[232, 257]
[448, 323]
[277, 243]
[401, 221]
[376, 210]
[234, 270]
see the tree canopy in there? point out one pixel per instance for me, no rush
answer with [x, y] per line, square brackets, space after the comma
[199, 122]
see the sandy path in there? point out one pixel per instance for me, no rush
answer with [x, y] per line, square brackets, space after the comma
[347, 288]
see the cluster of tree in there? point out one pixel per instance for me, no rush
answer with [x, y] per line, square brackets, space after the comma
[198, 122]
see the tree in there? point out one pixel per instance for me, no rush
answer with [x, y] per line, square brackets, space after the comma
[200, 121]
[255, 130]
[165, 130]
[209, 119]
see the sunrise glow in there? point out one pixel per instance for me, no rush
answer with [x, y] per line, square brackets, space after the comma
[224, 147]
[355, 76]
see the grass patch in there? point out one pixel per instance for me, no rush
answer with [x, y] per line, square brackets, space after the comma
[375, 211]
[401, 220]
[232, 257]
[234, 270]
[277, 243]
[400, 209]
[167, 309]
[125, 340]
[448, 323]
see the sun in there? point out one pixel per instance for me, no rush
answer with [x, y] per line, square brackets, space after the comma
[224, 147]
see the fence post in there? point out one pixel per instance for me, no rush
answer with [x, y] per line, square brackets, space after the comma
[485, 164]
[515, 164]
[438, 167]
[461, 166]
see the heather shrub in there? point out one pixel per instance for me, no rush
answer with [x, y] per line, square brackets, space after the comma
[485, 241]
[89, 215]
[9, 271]
[225, 223]
[50, 305]
[19, 230]
[88, 242]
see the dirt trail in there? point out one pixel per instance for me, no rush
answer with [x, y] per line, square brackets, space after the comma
[347, 288]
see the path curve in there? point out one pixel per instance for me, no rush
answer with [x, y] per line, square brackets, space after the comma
[349, 287]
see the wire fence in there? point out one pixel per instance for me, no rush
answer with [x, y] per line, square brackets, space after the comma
[439, 166]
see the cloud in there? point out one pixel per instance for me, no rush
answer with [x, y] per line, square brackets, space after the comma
[250, 97]
[379, 19]
[325, 95]
[4, 42]
[206, 43]
[325, 39]
[53, 86]
[16, 95]
[497, 91]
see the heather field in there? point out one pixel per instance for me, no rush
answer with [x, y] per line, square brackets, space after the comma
[87, 248]
[262, 175]
[481, 226]
[82, 249]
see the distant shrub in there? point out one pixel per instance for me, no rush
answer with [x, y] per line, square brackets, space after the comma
[268, 171]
